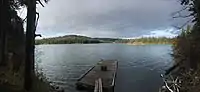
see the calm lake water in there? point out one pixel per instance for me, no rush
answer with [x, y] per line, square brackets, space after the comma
[139, 66]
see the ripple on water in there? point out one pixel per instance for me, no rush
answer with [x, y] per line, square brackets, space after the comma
[138, 65]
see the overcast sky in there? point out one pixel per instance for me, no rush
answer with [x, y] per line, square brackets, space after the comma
[109, 18]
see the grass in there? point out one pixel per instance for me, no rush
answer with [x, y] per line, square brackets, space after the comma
[11, 81]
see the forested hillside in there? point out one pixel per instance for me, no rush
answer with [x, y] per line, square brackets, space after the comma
[70, 39]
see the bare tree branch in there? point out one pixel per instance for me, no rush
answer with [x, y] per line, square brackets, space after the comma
[187, 22]
[172, 85]
[181, 27]
[38, 15]
[40, 3]
[38, 35]
[181, 16]
[24, 19]
[184, 8]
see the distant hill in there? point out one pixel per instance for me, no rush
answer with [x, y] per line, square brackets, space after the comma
[71, 39]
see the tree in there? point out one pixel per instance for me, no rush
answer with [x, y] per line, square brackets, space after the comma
[30, 42]
[186, 47]
[4, 26]
[8, 14]
[30, 33]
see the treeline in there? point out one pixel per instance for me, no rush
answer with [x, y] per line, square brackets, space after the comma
[147, 40]
[71, 39]
[186, 50]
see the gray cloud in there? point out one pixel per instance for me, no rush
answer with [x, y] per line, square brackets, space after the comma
[107, 18]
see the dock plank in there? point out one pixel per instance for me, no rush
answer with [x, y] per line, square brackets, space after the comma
[108, 77]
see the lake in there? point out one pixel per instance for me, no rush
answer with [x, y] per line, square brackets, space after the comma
[139, 66]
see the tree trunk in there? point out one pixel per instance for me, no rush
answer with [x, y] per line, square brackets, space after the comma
[30, 39]
[4, 26]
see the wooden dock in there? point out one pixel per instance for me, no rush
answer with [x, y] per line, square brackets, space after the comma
[105, 70]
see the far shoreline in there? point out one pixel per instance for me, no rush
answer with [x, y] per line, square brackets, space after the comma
[148, 44]
[134, 44]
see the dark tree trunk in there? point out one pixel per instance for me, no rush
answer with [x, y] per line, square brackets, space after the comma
[5, 22]
[30, 37]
